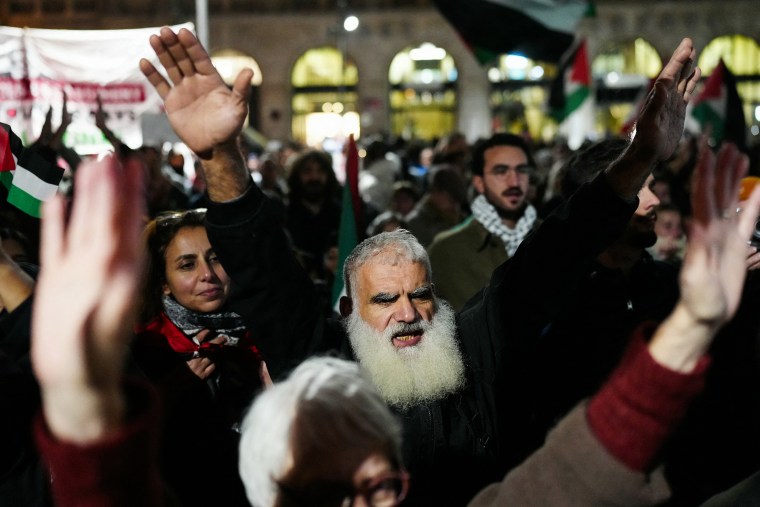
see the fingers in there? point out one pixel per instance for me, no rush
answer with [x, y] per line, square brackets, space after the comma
[131, 206]
[703, 200]
[675, 66]
[160, 84]
[753, 258]
[685, 73]
[160, 44]
[726, 180]
[92, 216]
[178, 50]
[242, 84]
[196, 53]
[202, 367]
[52, 230]
[691, 84]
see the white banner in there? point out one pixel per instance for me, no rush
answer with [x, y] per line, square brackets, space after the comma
[37, 66]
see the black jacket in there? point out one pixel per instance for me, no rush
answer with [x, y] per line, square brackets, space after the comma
[455, 446]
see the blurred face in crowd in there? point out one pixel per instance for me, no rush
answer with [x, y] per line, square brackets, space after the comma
[194, 275]
[375, 482]
[314, 180]
[505, 179]
[668, 224]
[403, 202]
[402, 335]
[640, 231]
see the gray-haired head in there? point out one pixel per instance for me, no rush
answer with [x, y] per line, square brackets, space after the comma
[399, 243]
[298, 429]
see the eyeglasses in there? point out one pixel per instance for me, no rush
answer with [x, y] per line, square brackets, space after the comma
[501, 170]
[169, 217]
[386, 490]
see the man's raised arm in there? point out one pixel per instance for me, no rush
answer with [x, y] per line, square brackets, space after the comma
[272, 293]
[660, 123]
[202, 110]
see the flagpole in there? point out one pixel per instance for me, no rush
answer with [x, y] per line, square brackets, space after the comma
[201, 21]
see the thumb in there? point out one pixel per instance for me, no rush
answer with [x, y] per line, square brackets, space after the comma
[203, 335]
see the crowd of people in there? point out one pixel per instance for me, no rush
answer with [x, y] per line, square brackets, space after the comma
[520, 326]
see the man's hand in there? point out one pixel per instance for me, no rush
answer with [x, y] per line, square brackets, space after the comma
[202, 110]
[714, 267]
[204, 113]
[660, 124]
[85, 304]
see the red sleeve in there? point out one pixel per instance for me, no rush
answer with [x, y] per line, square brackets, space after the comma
[120, 470]
[642, 403]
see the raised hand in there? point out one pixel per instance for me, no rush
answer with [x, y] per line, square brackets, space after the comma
[660, 124]
[85, 298]
[202, 110]
[714, 266]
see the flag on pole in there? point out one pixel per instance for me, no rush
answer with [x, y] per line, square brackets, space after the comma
[571, 102]
[351, 211]
[29, 178]
[538, 29]
[718, 108]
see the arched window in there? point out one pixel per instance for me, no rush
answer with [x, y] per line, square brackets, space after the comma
[742, 57]
[229, 63]
[621, 73]
[324, 97]
[423, 93]
[519, 94]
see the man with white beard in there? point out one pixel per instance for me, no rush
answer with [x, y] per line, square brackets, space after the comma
[458, 436]
[407, 369]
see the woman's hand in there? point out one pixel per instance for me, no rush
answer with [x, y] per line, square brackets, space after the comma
[203, 367]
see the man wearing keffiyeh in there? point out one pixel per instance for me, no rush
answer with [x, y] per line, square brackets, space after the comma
[464, 258]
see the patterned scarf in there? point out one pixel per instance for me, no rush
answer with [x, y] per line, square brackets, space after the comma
[486, 214]
[191, 323]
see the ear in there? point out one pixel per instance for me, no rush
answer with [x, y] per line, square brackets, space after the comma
[166, 290]
[346, 306]
[477, 183]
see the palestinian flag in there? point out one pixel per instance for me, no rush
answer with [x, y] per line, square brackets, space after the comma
[351, 211]
[28, 176]
[570, 100]
[718, 108]
[537, 29]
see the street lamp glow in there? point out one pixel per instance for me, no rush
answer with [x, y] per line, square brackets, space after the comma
[351, 23]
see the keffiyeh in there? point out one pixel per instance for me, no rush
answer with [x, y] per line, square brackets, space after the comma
[486, 214]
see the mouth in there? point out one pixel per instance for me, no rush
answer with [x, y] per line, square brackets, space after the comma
[407, 340]
[212, 293]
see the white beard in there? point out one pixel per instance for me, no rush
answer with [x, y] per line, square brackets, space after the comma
[412, 375]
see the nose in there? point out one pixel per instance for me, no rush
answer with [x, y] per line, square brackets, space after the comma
[648, 198]
[405, 311]
[511, 177]
[207, 272]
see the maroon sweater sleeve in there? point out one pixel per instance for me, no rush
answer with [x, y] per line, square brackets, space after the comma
[641, 403]
[120, 470]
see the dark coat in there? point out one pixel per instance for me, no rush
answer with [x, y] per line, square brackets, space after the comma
[469, 438]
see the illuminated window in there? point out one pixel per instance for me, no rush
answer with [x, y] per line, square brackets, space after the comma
[519, 94]
[621, 74]
[423, 92]
[742, 57]
[324, 98]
